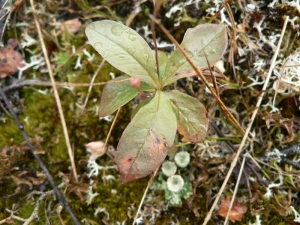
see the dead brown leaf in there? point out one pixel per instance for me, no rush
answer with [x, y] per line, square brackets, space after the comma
[10, 60]
[236, 213]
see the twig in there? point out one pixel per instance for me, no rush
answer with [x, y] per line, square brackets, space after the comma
[213, 78]
[37, 82]
[235, 189]
[56, 95]
[208, 216]
[291, 162]
[111, 127]
[61, 198]
[34, 214]
[92, 81]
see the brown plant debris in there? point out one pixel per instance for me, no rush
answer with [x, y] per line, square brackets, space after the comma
[10, 60]
[237, 211]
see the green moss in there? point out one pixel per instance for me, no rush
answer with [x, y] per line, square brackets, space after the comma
[12, 134]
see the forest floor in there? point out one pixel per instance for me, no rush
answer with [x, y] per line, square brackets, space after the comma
[52, 79]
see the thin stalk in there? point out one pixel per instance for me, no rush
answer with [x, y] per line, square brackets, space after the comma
[92, 81]
[235, 189]
[56, 95]
[111, 127]
[144, 195]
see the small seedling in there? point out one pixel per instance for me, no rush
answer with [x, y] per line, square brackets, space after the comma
[150, 134]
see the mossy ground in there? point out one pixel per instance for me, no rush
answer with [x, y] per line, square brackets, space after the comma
[37, 110]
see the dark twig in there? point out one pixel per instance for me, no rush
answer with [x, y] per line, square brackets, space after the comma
[291, 162]
[291, 150]
[60, 196]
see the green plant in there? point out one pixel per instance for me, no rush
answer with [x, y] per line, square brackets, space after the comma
[146, 140]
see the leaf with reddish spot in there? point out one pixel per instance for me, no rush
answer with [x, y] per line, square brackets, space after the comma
[146, 140]
[203, 40]
[191, 116]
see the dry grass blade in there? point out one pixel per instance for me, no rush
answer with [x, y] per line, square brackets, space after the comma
[92, 81]
[235, 189]
[56, 95]
[213, 78]
[208, 216]
[111, 127]
[144, 195]
[36, 82]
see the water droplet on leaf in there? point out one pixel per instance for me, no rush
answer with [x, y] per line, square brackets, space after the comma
[116, 30]
[92, 26]
[146, 57]
[132, 37]
[98, 45]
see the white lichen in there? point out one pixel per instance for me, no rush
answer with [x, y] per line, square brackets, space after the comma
[297, 215]
[168, 168]
[182, 159]
[175, 183]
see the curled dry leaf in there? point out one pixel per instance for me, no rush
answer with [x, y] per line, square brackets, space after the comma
[280, 86]
[10, 60]
[73, 25]
[236, 213]
[97, 148]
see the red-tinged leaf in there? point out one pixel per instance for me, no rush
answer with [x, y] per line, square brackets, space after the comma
[203, 40]
[146, 140]
[115, 95]
[191, 116]
[237, 211]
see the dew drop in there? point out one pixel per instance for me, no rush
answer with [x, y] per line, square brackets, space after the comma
[146, 57]
[133, 50]
[98, 45]
[132, 37]
[127, 30]
[91, 26]
[116, 30]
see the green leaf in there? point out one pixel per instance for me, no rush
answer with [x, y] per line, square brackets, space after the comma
[191, 116]
[146, 140]
[211, 38]
[115, 95]
[124, 49]
[139, 106]
[147, 87]
[162, 61]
